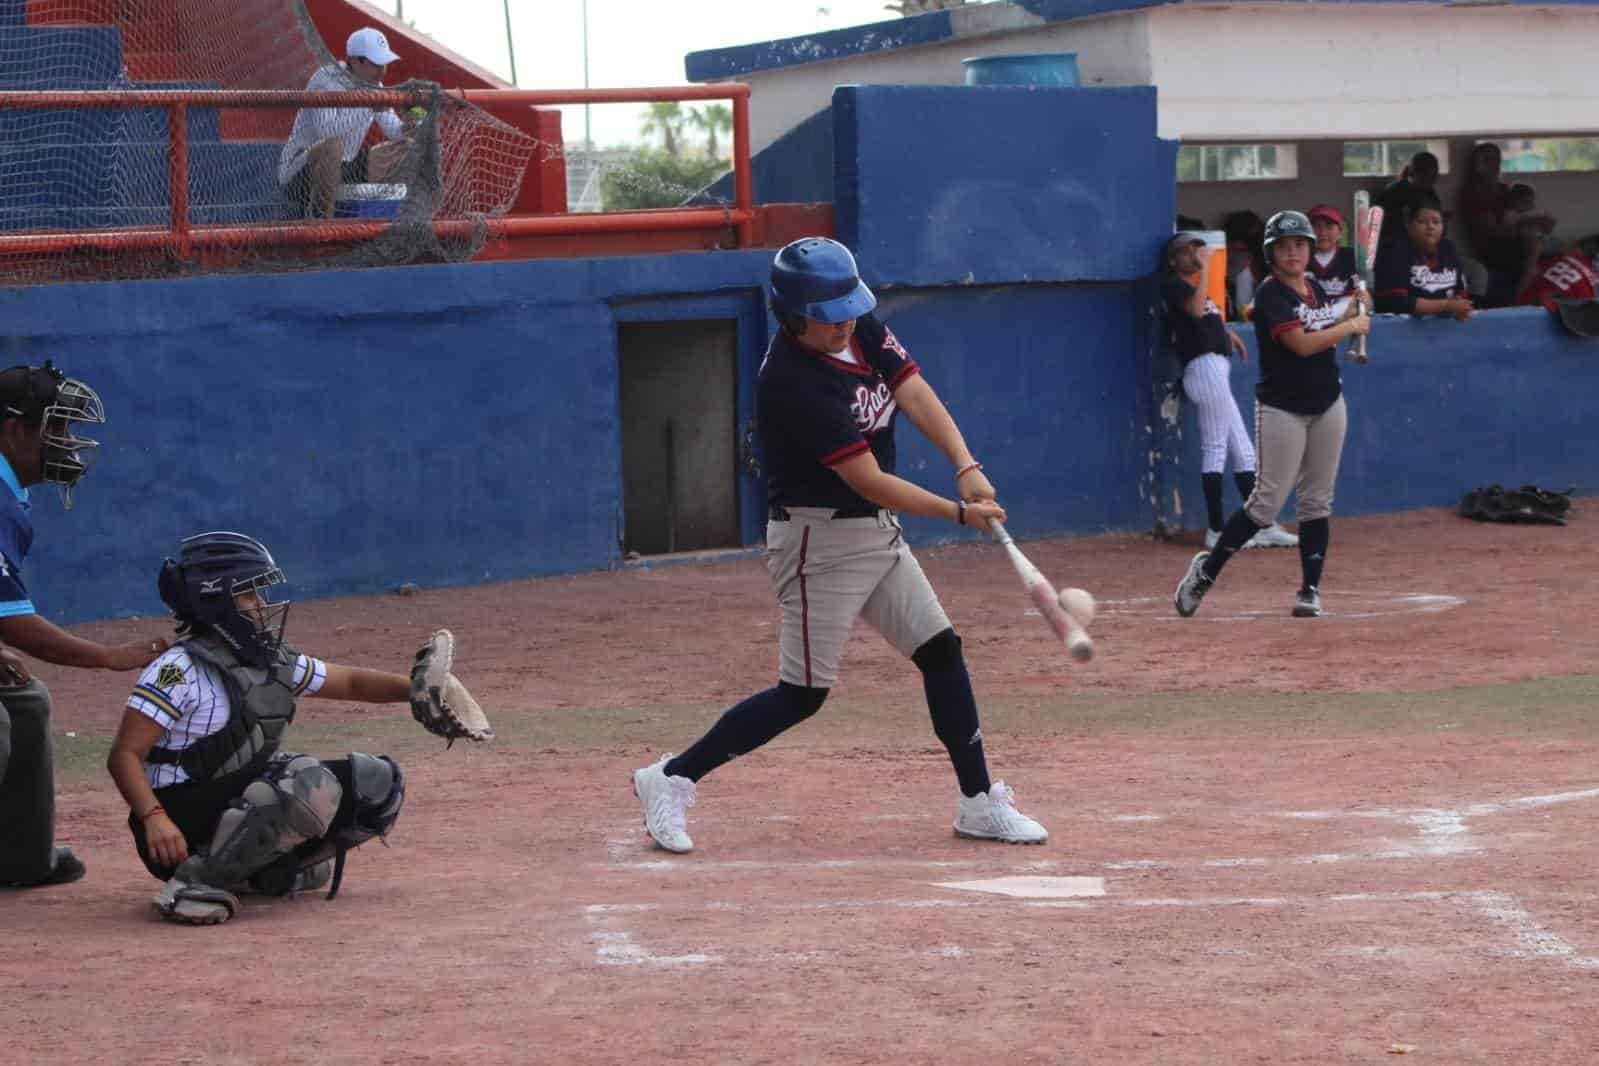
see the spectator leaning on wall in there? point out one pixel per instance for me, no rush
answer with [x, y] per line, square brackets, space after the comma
[1423, 275]
[1570, 274]
[325, 147]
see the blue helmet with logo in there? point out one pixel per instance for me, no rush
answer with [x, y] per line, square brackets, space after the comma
[213, 573]
[817, 278]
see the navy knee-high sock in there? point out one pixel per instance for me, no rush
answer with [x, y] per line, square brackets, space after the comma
[746, 726]
[1314, 537]
[1214, 515]
[1234, 535]
[1245, 480]
[953, 708]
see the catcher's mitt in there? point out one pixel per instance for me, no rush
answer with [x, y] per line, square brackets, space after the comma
[438, 699]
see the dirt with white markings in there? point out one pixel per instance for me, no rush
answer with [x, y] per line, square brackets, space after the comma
[1318, 841]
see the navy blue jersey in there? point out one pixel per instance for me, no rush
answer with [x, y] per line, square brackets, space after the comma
[816, 411]
[1405, 274]
[1191, 337]
[16, 537]
[1289, 382]
[1338, 276]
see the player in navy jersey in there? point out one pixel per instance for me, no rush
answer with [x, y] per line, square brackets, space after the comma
[41, 410]
[830, 389]
[1203, 343]
[1331, 263]
[1300, 419]
[1422, 275]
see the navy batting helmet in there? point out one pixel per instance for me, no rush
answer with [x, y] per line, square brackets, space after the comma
[206, 583]
[43, 394]
[817, 278]
[1287, 224]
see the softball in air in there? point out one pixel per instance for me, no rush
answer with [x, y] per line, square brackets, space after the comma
[1079, 604]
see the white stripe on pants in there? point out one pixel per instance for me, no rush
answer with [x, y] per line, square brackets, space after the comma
[1221, 426]
[1301, 452]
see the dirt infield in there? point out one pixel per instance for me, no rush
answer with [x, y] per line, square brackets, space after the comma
[1273, 840]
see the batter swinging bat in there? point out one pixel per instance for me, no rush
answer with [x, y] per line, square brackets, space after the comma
[1068, 626]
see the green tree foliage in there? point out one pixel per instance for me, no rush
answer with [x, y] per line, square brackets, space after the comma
[652, 177]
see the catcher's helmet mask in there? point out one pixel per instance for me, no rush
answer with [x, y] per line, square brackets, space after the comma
[1287, 224]
[816, 278]
[228, 583]
[44, 396]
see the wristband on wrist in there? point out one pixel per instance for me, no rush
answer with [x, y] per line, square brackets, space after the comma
[152, 812]
[960, 512]
[967, 469]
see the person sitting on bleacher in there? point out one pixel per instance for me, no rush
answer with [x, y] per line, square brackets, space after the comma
[1423, 275]
[326, 146]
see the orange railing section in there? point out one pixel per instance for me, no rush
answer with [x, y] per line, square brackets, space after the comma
[182, 237]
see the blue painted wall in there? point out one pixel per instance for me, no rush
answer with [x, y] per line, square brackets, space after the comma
[1018, 184]
[456, 424]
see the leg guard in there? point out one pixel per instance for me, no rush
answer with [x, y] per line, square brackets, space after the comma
[294, 801]
[376, 794]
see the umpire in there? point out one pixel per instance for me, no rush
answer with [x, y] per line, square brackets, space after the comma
[40, 409]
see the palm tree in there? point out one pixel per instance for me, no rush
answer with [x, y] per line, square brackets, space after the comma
[714, 120]
[666, 118]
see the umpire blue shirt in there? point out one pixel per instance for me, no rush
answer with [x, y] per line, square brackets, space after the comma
[816, 411]
[16, 537]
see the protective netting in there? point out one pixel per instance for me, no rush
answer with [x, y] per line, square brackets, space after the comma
[69, 171]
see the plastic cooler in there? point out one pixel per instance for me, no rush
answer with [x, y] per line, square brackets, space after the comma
[369, 200]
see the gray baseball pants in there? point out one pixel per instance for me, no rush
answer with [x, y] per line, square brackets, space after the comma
[827, 572]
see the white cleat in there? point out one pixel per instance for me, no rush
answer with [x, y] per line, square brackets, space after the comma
[1273, 536]
[992, 815]
[1192, 588]
[666, 801]
[1307, 602]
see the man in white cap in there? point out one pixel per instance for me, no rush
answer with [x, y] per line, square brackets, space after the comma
[325, 148]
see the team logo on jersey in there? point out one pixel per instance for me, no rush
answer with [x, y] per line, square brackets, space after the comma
[1429, 280]
[1317, 318]
[169, 677]
[873, 407]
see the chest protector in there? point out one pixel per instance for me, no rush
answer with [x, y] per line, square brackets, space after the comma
[261, 704]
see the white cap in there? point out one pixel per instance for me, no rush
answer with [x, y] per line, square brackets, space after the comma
[370, 44]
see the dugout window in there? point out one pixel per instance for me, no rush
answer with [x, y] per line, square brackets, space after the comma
[679, 435]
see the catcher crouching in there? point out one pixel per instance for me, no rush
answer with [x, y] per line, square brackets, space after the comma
[215, 806]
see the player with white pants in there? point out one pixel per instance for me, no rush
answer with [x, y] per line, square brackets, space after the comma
[1201, 341]
[832, 383]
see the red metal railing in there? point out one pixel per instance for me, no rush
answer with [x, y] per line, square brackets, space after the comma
[184, 238]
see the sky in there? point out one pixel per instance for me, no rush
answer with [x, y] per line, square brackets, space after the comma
[631, 43]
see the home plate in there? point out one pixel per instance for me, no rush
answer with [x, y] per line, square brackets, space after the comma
[1034, 887]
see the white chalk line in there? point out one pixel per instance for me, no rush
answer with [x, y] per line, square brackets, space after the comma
[1338, 604]
[1442, 832]
[616, 947]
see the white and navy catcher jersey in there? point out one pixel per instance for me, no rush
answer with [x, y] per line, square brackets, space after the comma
[187, 700]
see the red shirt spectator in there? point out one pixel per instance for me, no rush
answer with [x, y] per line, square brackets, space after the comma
[1568, 276]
